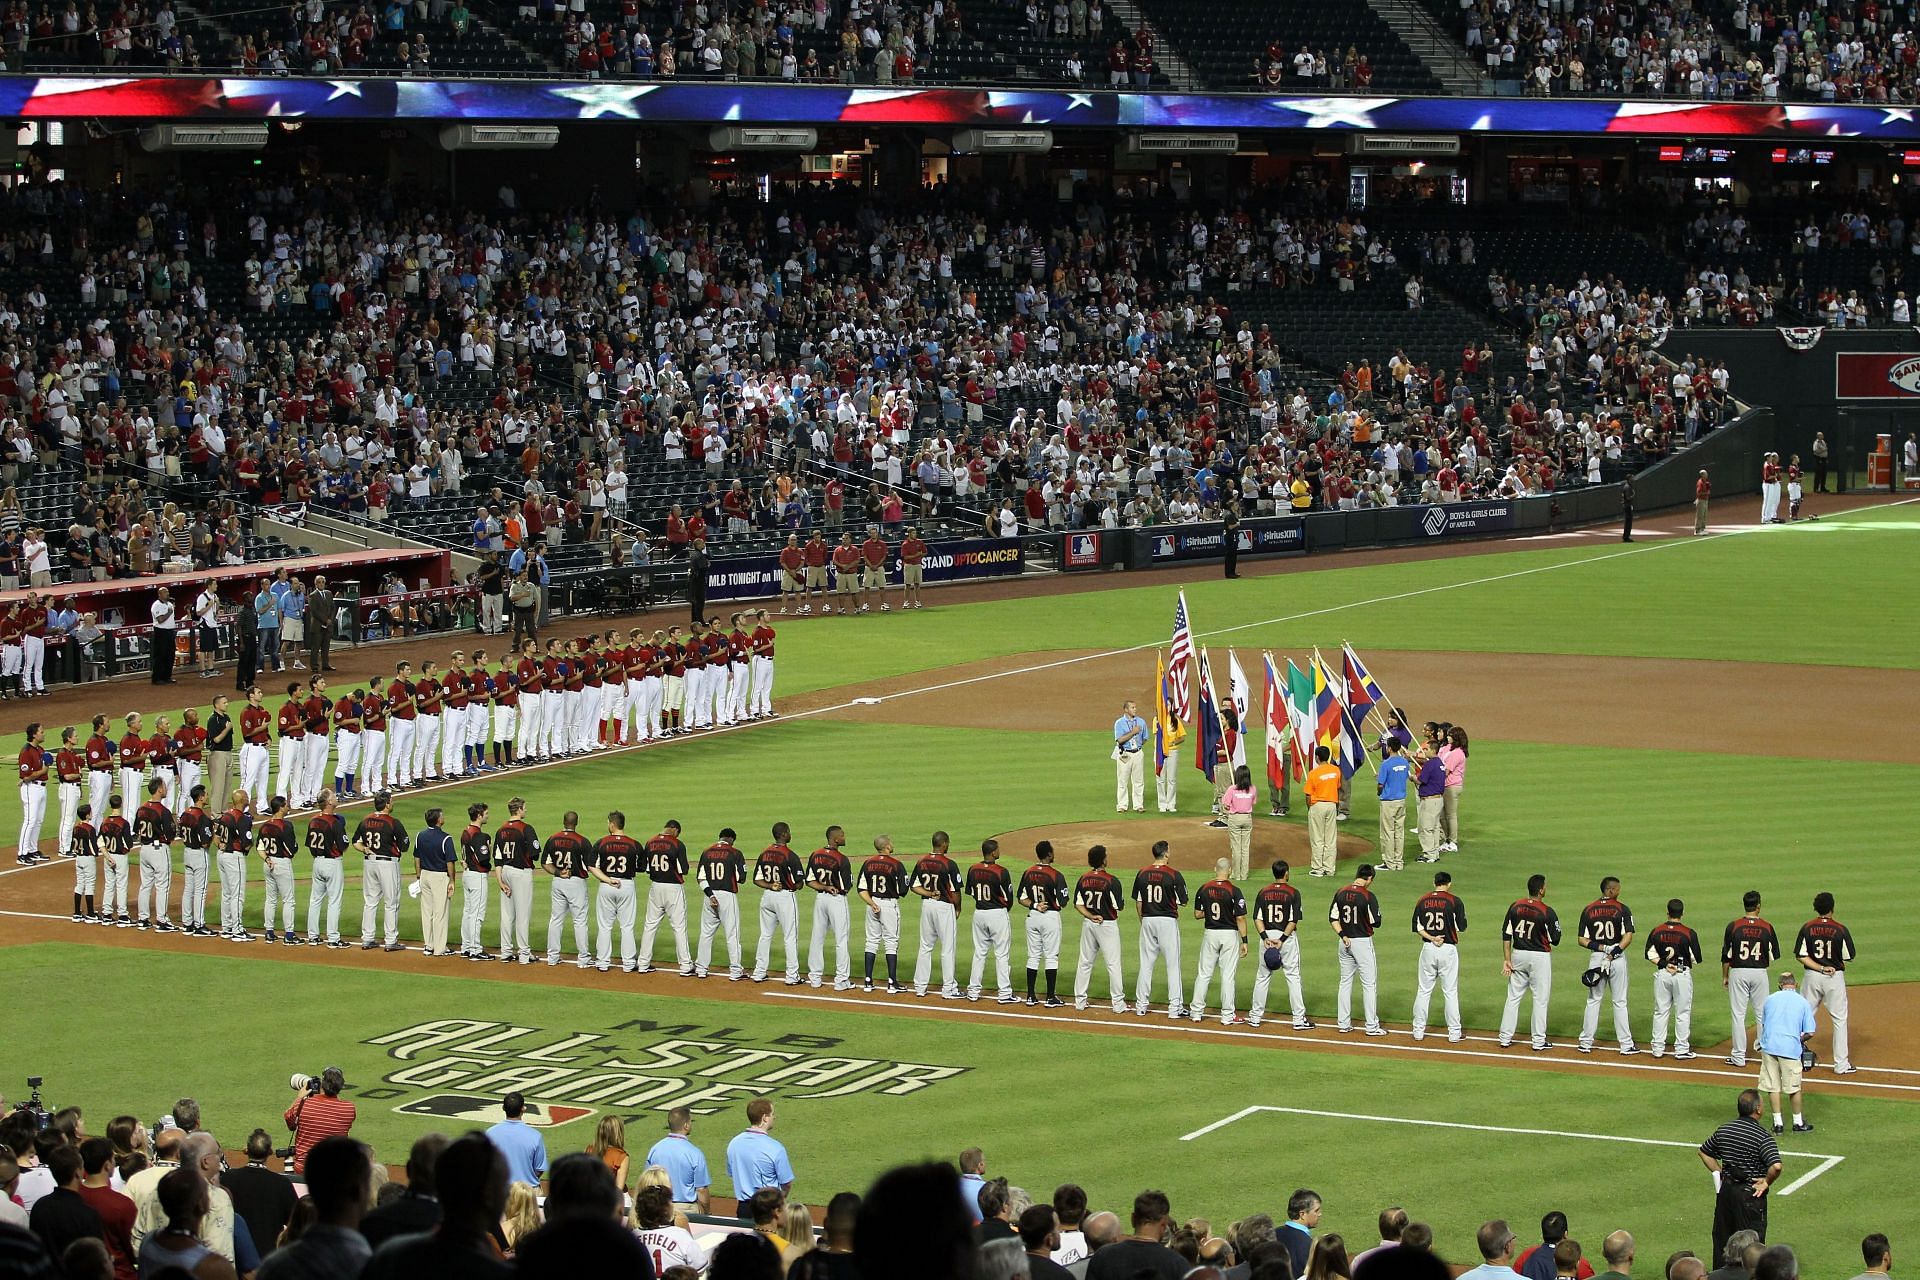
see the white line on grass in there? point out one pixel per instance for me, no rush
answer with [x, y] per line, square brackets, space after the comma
[1810, 1175]
[1270, 1037]
[1827, 1161]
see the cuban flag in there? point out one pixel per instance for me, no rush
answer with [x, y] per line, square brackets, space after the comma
[1362, 692]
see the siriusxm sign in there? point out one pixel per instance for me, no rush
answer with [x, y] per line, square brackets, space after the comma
[1207, 541]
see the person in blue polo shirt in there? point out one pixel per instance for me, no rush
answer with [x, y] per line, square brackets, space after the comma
[686, 1164]
[1391, 785]
[755, 1158]
[1786, 1024]
[525, 1150]
[1129, 738]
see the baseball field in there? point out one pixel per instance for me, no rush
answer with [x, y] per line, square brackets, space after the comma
[1697, 716]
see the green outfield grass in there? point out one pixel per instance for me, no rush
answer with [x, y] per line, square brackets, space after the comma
[1111, 1120]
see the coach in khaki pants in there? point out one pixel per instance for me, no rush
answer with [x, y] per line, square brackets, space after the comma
[1323, 811]
[434, 853]
[1129, 741]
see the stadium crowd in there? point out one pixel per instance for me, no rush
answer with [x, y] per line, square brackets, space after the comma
[781, 365]
[1730, 50]
[140, 1202]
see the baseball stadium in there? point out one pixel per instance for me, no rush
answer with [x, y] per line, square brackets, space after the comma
[742, 628]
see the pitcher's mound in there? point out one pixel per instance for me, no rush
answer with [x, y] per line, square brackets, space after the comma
[1192, 844]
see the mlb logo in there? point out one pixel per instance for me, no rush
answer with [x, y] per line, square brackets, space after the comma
[1245, 539]
[1084, 547]
[478, 1110]
[1162, 546]
[1434, 523]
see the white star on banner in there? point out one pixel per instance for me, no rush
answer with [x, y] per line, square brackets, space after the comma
[1076, 100]
[344, 89]
[598, 100]
[1329, 113]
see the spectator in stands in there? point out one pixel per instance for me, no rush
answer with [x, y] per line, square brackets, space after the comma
[116, 1211]
[338, 1175]
[184, 1199]
[263, 1196]
[1145, 1250]
[416, 1208]
[584, 1234]
[63, 1215]
[1496, 1249]
[470, 1180]
[1537, 1262]
[914, 1210]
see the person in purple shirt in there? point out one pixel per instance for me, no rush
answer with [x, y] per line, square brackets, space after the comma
[1431, 785]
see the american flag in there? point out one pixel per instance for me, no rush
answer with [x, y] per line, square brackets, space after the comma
[1179, 659]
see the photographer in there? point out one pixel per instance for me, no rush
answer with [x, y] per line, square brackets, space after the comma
[318, 1113]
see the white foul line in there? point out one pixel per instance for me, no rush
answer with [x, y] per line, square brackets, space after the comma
[1827, 1161]
[879, 1004]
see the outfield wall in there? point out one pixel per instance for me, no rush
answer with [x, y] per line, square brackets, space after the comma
[1804, 388]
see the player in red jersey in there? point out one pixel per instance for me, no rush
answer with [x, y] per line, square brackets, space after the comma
[255, 724]
[760, 702]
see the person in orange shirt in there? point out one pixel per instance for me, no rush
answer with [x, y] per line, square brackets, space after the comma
[1323, 811]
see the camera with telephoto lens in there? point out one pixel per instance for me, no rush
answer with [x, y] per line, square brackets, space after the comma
[304, 1083]
[32, 1104]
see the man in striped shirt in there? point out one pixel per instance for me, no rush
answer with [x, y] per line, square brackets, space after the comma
[1744, 1160]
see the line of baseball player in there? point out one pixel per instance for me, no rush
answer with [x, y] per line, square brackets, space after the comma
[507, 856]
[571, 698]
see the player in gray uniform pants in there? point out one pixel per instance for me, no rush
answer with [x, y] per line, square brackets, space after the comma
[1674, 950]
[276, 861]
[1747, 951]
[327, 842]
[1528, 936]
[195, 863]
[615, 859]
[1606, 930]
[382, 839]
[515, 851]
[476, 874]
[234, 835]
[565, 859]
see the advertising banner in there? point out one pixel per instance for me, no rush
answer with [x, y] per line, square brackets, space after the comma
[1083, 550]
[1465, 517]
[1876, 375]
[755, 577]
[1171, 544]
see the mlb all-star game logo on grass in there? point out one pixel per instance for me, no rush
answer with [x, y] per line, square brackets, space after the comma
[458, 1068]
